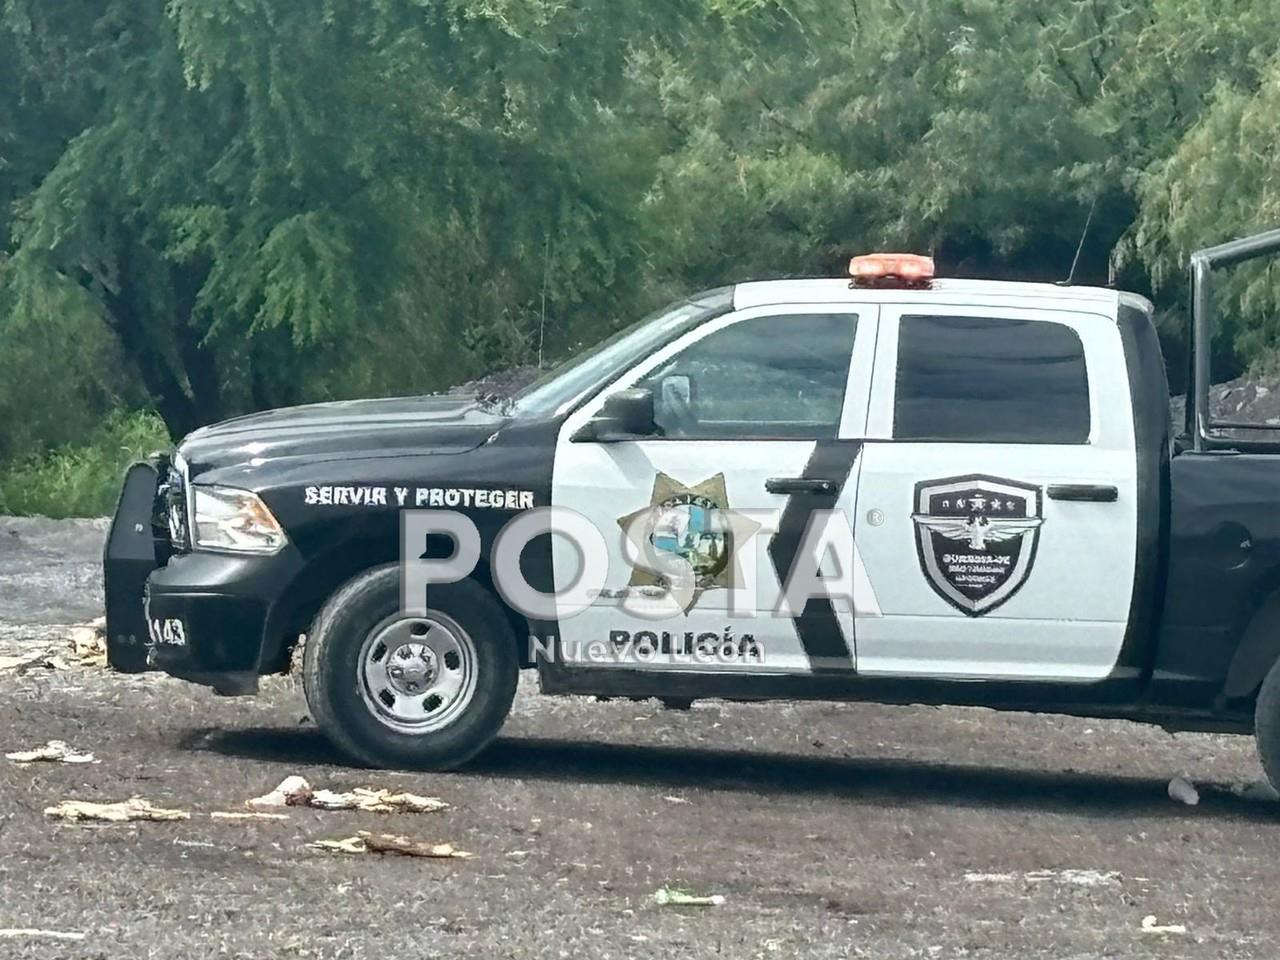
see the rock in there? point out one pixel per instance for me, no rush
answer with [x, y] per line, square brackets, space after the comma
[1180, 789]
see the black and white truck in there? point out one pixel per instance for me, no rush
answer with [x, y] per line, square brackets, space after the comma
[1029, 530]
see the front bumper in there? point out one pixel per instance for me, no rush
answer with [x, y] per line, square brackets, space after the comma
[207, 617]
[203, 617]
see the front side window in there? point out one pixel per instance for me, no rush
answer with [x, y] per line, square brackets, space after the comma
[992, 380]
[776, 377]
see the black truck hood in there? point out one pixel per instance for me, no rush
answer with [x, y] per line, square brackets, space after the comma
[399, 426]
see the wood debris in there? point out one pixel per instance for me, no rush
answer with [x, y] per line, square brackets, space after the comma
[292, 792]
[671, 897]
[246, 815]
[135, 808]
[55, 751]
[297, 792]
[365, 842]
[31, 933]
[87, 645]
[376, 801]
[391, 843]
[1149, 925]
[21, 663]
[349, 845]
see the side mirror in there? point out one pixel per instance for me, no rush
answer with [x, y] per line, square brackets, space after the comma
[626, 415]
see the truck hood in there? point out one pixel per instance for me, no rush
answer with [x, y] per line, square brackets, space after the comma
[401, 426]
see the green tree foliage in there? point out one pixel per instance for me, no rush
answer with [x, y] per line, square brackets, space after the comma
[263, 201]
[960, 126]
[209, 206]
[1213, 72]
[81, 480]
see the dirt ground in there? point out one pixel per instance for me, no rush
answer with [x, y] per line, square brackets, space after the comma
[831, 830]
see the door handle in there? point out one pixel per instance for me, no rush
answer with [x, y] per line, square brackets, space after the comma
[1084, 492]
[788, 485]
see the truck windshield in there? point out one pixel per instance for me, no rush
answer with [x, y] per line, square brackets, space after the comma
[586, 373]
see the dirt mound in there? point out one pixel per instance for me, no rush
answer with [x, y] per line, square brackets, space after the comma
[1251, 399]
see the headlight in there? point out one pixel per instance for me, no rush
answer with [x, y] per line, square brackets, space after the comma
[173, 492]
[235, 521]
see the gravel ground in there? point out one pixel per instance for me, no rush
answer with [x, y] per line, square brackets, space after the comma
[50, 570]
[831, 830]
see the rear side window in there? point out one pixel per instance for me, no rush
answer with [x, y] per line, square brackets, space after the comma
[990, 380]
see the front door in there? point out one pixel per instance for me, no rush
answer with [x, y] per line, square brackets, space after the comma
[997, 511]
[761, 413]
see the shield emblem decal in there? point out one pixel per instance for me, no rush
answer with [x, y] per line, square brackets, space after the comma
[976, 537]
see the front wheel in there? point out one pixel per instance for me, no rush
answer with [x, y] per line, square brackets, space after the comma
[428, 690]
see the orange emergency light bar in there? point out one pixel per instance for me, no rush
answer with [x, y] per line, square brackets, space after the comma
[891, 270]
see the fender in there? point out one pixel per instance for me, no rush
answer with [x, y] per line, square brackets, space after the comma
[1258, 651]
[325, 572]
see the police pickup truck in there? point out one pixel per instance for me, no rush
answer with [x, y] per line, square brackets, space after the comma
[1027, 531]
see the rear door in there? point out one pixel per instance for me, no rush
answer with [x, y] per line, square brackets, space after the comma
[997, 509]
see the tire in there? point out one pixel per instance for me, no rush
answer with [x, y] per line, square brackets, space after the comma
[424, 692]
[1266, 725]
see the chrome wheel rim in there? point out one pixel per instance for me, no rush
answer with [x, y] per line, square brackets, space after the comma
[417, 674]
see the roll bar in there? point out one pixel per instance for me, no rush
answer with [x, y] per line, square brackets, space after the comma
[1203, 263]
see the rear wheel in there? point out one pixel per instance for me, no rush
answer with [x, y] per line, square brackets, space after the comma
[429, 689]
[1266, 725]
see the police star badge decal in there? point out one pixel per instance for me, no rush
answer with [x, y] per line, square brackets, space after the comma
[976, 537]
[688, 538]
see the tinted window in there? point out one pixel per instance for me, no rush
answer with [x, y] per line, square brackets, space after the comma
[767, 377]
[992, 380]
